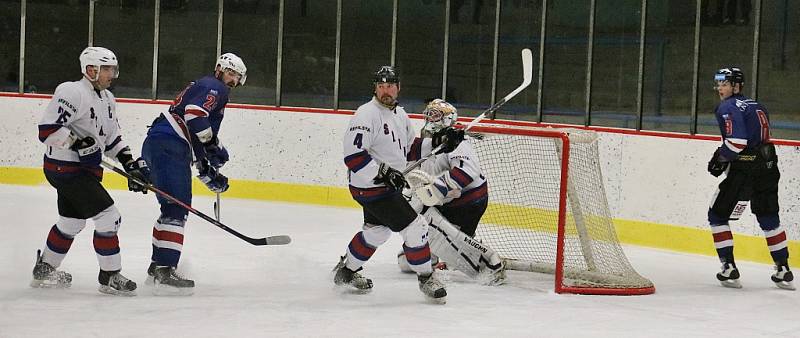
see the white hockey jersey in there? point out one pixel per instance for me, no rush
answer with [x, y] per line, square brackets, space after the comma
[375, 135]
[458, 173]
[76, 111]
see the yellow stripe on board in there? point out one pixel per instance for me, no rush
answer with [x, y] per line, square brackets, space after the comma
[655, 235]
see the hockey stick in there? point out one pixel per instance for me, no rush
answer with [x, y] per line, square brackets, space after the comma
[271, 240]
[527, 77]
[216, 208]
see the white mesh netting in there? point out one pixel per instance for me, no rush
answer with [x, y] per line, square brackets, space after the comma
[521, 223]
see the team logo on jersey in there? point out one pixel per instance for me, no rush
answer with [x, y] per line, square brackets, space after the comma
[741, 105]
[67, 104]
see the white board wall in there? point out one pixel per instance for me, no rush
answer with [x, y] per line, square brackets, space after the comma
[647, 178]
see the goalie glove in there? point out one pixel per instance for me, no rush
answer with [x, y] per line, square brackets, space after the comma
[425, 188]
[449, 138]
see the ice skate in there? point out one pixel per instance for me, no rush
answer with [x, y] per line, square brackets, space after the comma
[494, 277]
[729, 276]
[151, 274]
[167, 282]
[783, 277]
[432, 288]
[46, 276]
[114, 283]
[351, 280]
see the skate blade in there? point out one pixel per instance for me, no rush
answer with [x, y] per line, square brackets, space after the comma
[150, 280]
[114, 292]
[492, 278]
[785, 285]
[43, 284]
[166, 290]
[348, 289]
[731, 283]
[437, 301]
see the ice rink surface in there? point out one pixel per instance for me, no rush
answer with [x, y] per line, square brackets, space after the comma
[287, 291]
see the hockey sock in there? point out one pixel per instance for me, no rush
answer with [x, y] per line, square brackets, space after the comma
[106, 245]
[723, 241]
[167, 241]
[776, 242]
[358, 251]
[419, 258]
[58, 244]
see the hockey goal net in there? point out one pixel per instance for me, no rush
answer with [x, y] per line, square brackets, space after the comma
[548, 210]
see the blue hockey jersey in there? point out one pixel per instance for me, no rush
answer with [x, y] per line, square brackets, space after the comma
[196, 114]
[743, 123]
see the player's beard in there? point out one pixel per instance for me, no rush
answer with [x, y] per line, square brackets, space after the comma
[387, 100]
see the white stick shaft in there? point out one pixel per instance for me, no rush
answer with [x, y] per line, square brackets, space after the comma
[527, 77]
[216, 208]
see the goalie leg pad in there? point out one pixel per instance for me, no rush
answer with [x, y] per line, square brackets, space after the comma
[459, 250]
[450, 244]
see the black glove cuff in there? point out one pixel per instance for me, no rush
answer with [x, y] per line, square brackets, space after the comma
[124, 156]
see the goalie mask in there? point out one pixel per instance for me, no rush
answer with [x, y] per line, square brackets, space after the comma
[230, 61]
[438, 115]
[98, 57]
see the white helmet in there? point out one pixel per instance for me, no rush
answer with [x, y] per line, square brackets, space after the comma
[438, 114]
[98, 56]
[234, 63]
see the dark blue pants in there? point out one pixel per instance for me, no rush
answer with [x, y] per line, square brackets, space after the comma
[170, 160]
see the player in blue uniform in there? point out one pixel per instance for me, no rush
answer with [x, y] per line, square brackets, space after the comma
[748, 158]
[187, 134]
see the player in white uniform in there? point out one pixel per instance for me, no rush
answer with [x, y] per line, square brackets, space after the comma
[79, 126]
[451, 191]
[376, 143]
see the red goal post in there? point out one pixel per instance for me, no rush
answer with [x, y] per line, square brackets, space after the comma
[548, 210]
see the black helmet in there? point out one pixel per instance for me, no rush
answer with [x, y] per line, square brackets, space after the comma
[730, 74]
[386, 74]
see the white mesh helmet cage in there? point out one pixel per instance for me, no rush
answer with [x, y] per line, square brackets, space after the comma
[234, 63]
[96, 57]
[438, 115]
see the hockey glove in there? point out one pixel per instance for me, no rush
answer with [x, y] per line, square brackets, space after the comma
[449, 138]
[390, 176]
[211, 177]
[89, 151]
[716, 166]
[216, 154]
[138, 169]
